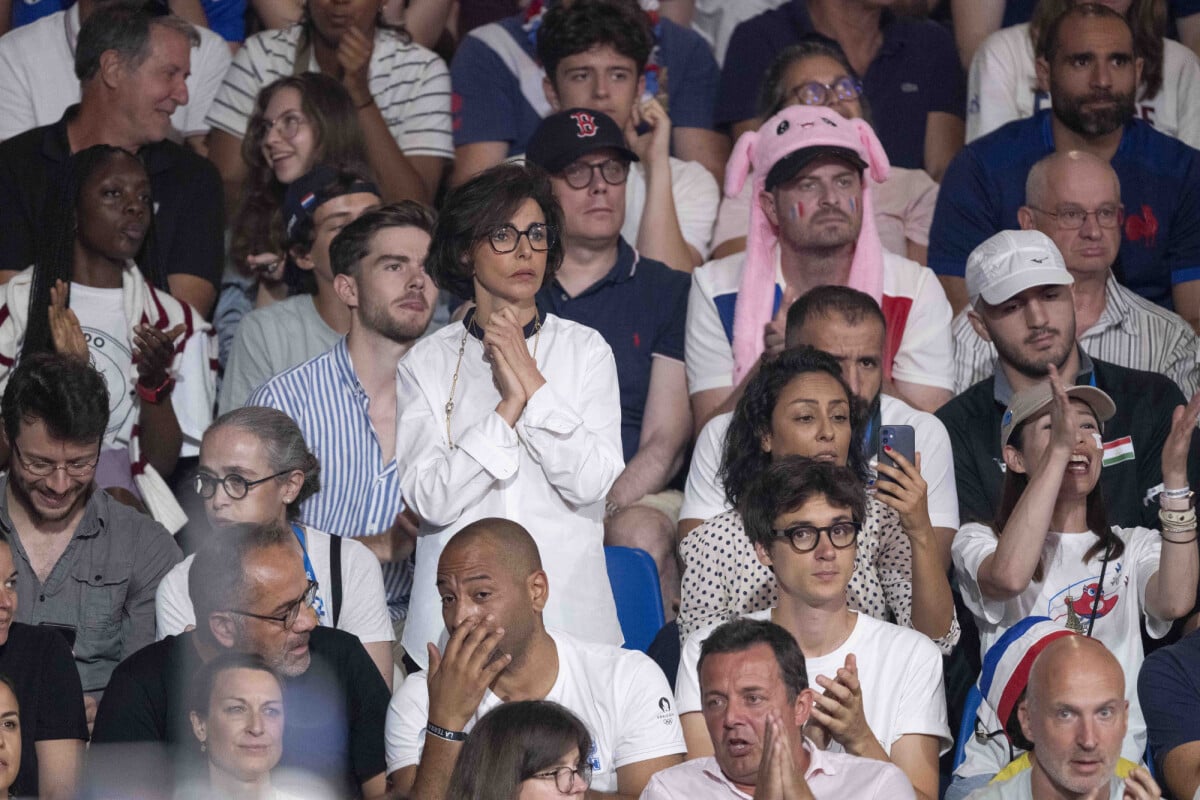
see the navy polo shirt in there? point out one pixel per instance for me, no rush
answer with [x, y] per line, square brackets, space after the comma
[640, 308]
[490, 104]
[917, 71]
[1160, 188]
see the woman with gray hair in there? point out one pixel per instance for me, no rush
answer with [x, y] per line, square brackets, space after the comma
[256, 468]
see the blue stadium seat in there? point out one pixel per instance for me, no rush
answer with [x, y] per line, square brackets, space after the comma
[634, 579]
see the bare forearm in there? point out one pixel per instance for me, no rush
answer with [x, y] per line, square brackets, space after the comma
[1020, 545]
[1173, 589]
[398, 180]
[161, 436]
[659, 236]
[433, 772]
[647, 472]
[932, 602]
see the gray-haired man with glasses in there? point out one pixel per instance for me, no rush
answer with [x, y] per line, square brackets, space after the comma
[639, 306]
[251, 594]
[1075, 198]
[87, 565]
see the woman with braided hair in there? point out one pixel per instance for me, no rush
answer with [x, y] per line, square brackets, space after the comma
[87, 297]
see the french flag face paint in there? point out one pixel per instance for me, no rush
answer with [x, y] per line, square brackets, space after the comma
[797, 211]
[853, 205]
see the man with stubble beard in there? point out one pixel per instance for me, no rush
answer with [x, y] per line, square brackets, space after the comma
[1088, 59]
[1022, 302]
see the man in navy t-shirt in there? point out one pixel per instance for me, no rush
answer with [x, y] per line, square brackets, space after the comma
[913, 81]
[639, 306]
[1093, 74]
[499, 99]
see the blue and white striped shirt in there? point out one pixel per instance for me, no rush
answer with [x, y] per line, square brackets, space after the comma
[360, 495]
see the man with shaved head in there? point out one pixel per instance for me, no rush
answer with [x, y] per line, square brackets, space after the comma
[1075, 714]
[1074, 197]
[493, 590]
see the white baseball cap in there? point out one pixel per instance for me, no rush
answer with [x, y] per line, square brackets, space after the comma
[1011, 262]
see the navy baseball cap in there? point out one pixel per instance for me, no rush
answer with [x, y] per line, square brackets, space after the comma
[315, 188]
[565, 137]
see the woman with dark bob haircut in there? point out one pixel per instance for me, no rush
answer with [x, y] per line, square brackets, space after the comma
[511, 413]
[798, 404]
[526, 750]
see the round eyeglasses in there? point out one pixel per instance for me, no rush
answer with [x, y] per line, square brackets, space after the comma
[564, 777]
[815, 93]
[504, 238]
[236, 487]
[579, 174]
[288, 618]
[1070, 219]
[804, 538]
[289, 125]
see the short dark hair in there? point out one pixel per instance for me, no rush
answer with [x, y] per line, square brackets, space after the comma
[743, 457]
[68, 395]
[125, 28]
[216, 579]
[1047, 45]
[353, 243]
[739, 635]
[825, 301]
[621, 24]
[471, 211]
[205, 678]
[513, 742]
[791, 482]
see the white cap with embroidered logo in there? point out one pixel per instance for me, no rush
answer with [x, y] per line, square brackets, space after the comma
[1011, 262]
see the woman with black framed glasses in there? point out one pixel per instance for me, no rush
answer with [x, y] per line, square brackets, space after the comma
[255, 468]
[512, 413]
[527, 750]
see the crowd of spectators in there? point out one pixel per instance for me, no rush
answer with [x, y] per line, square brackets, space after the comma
[347, 346]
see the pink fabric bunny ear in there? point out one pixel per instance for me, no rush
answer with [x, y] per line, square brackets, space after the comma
[792, 129]
[878, 165]
[738, 168]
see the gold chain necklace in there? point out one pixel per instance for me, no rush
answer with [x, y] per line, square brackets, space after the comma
[462, 348]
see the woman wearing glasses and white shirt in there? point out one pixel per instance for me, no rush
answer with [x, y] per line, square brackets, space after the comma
[511, 413]
[255, 468]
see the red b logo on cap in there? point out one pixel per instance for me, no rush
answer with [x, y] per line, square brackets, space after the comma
[586, 124]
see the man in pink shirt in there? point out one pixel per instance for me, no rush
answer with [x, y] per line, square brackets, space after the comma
[756, 702]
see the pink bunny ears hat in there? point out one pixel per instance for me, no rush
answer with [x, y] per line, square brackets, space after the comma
[791, 130]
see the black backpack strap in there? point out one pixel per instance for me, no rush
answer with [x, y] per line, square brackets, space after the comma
[335, 569]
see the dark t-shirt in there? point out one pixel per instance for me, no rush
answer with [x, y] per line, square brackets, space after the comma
[917, 71]
[333, 714]
[1169, 691]
[640, 308]
[40, 665]
[1145, 402]
[188, 232]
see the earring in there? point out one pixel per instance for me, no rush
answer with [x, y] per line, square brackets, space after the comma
[203, 746]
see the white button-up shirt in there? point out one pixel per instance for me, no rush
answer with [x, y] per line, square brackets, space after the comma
[551, 473]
